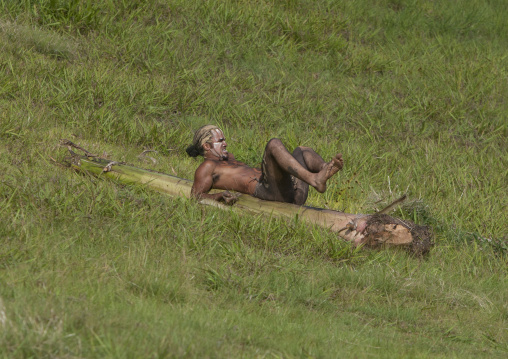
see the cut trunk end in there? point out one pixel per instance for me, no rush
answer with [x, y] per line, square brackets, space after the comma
[383, 230]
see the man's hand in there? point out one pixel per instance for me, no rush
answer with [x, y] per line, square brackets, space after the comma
[229, 198]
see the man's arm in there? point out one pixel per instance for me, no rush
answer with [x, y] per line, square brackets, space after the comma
[203, 183]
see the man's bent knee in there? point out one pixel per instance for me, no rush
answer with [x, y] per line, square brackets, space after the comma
[274, 144]
[301, 149]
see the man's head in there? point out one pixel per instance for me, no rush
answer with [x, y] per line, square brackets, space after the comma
[209, 142]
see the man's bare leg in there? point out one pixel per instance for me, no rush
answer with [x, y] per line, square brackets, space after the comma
[310, 168]
[311, 161]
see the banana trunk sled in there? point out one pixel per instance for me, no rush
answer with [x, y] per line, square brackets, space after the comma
[376, 231]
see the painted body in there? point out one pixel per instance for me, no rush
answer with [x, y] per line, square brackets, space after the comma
[283, 176]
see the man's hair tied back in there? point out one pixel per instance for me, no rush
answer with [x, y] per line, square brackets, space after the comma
[202, 136]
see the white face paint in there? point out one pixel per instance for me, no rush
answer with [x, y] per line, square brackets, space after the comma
[219, 144]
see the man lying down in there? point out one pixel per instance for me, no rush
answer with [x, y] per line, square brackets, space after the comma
[283, 177]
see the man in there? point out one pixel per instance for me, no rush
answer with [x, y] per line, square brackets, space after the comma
[283, 176]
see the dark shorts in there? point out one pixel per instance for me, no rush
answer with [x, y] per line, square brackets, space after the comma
[269, 188]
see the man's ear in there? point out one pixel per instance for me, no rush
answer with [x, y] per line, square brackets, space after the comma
[206, 146]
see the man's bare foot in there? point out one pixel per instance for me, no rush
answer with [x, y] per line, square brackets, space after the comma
[327, 171]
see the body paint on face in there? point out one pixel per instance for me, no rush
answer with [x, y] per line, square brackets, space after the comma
[219, 147]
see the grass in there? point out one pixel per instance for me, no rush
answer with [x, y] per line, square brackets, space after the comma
[411, 92]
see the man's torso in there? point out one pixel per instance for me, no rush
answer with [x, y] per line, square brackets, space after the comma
[234, 175]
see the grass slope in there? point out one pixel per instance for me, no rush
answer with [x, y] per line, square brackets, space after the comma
[413, 93]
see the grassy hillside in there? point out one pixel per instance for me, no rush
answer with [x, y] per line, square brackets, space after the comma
[412, 92]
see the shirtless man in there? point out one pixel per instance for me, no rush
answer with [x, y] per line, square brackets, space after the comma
[283, 176]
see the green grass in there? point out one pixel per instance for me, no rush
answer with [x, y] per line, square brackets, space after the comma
[413, 93]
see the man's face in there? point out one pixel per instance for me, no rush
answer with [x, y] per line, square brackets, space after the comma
[218, 145]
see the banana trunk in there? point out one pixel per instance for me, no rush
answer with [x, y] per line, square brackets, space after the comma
[370, 230]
